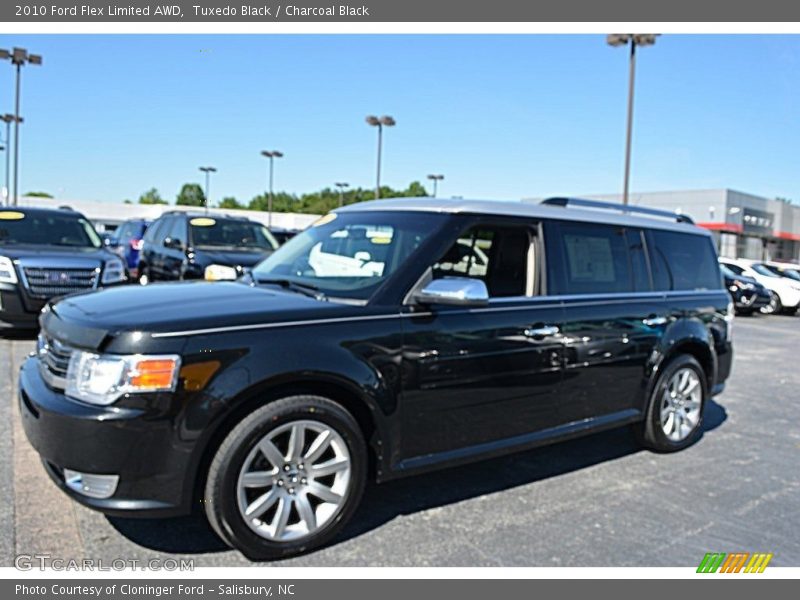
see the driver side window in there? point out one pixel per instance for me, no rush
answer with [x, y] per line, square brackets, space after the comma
[498, 256]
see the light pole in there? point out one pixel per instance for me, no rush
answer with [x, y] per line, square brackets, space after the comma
[207, 171]
[435, 179]
[380, 122]
[634, 39]
[342, 186]
[18, 57]
[8, 119]
[271, 155]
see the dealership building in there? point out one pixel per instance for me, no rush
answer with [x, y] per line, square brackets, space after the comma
[743, 225]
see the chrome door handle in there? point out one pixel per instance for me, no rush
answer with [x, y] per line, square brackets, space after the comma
[654, 321]
[539, 332]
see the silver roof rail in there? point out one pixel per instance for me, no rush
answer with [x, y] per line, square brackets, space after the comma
[623, 208]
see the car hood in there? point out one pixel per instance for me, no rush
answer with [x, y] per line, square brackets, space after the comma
[231, 258]
[181, 307]
[56, 254]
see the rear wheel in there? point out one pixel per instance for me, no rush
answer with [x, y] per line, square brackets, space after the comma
[287, 478]
[674, 418]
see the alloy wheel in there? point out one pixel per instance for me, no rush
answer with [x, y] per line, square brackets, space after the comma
[294, 481]
[680, 404]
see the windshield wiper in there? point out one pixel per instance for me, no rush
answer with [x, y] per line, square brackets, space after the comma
[307, 289]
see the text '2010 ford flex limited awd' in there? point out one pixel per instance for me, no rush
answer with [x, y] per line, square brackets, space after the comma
[389, 338]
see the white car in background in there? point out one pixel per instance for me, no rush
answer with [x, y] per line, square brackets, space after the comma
[785, 291]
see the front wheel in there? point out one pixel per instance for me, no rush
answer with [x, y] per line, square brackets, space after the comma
[287, 478]
[674, 418]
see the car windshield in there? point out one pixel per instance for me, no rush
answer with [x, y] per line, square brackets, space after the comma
[230, 233]
[49, 229]
[790, 272]
[727, 272]
[762, 270]
[348, 255]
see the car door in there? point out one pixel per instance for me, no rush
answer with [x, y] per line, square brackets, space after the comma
[155, 250]
[174, 249]
[473, 377]
[612, 318]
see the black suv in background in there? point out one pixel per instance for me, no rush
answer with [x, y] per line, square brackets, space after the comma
[747, 294]
[181, 245]
[389, 338]
[46, 253]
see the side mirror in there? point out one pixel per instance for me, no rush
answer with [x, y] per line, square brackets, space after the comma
[454, 291]
[173, 243]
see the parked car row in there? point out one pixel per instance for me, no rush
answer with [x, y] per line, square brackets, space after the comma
[766, 286]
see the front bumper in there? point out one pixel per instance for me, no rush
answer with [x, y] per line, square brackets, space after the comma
[18, 311]
[137, 444]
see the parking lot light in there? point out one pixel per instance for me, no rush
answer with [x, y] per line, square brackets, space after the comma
[207, 171]
[271, 155]
[634, 39]
[342, 186]
[380, 123]
[8, 119]
[18, 58]
[436, 179]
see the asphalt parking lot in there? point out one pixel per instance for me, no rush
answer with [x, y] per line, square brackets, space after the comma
[598, 501]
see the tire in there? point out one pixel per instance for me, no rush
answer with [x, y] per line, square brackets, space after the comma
[242, 478]
[652, 432]
[790, 311]
[774, 307]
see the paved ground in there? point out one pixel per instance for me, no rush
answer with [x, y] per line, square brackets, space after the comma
[599, 501]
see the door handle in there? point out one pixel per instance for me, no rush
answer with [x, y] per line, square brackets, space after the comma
[540, 332]
[654, 321]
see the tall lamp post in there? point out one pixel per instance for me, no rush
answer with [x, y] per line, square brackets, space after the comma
[435, 179]
[271, 155]
[18, 57]
[342, 186]
[207, 171]
[8, 119]
[380, 123]
[634, 40]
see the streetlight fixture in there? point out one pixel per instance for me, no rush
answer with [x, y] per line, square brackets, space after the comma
[342, 185]
[8, 119]
[271, 155]
[380, 123]
[634, 39]
[18, 58]
[207, 171]
[435, 179]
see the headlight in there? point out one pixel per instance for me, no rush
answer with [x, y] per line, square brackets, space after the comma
[220, 273]
[7, 272]
[102, 378]
[113, 272]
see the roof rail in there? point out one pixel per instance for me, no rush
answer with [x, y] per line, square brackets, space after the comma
[624, 208]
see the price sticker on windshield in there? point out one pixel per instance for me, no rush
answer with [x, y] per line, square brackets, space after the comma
[202, 222]
[11, 215]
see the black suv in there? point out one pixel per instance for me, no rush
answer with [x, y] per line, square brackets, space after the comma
[747, 294]
[389, 338]
[46, 253]
[183, 245]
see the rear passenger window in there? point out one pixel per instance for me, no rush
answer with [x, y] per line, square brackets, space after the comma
[683, 261]
[595, 260]
[498, 256]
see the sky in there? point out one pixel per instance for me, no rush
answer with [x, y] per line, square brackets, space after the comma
[500, 116]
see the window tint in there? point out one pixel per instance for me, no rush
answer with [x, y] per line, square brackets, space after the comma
[636, 253]
[154, 234]
[735, 268]
[496, 256]
[177, 230]
[123, 235]
[595, 259]
[683, 261]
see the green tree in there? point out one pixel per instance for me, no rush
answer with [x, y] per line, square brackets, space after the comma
[230, 202]
[191, 194]
[38, 195]
[126, 201]
[151, 196]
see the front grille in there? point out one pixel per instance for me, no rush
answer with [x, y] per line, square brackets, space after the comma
[54, 360]
[49, 282]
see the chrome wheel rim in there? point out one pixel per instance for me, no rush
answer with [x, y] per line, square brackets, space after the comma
[680, 404]
[294, 481]
[772, 306]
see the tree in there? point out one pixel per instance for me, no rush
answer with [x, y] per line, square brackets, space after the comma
[230, 202]
[191, 194]
[38, 195]
[126, 201]
[151, 196]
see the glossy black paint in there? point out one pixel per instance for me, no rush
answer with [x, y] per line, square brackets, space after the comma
[747, 294]
[428, 385]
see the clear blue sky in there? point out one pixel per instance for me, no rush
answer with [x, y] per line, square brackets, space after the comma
[501, 116]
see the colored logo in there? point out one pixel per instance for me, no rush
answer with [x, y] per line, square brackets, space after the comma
[736, 562]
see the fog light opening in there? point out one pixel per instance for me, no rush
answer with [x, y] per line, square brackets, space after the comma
[90, 485]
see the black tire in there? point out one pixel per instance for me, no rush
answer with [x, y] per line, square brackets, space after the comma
[791, 311]
[649, 432]
[220, 499]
